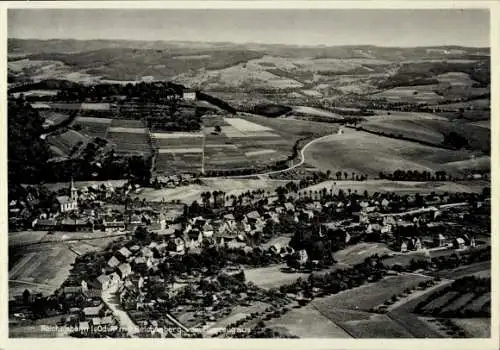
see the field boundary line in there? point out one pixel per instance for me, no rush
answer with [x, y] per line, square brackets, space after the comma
[338, 324]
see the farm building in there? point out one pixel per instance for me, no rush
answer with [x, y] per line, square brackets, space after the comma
[77, 225]
[112, 226]
[40, 106]
[459, 243]
[113, 262]
[404, 247]
[189, 95]
[92, 311]
[124, 270]
[124, 252]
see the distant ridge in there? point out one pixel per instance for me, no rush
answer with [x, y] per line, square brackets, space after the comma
[94, 44]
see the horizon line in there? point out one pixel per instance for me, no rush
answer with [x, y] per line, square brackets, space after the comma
[254, 43]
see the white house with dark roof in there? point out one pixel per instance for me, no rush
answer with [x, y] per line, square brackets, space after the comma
[124, 270]
[113, 262]
[103, 282]
[459, 243]
[125, 252]
[83, 326]
[404, 247]
[289, 206]
[92, 311]
[253, 215]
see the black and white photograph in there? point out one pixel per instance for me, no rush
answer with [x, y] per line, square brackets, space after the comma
[257, 173]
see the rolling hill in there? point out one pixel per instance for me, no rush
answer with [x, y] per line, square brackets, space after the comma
[297, 74]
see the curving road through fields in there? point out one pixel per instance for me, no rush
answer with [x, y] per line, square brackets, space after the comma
[302, 161]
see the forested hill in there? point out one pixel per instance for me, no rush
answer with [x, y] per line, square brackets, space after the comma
[27, 153]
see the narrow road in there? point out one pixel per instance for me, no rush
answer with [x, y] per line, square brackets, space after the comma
[177, 323]
[427, 209]
[68, 239]
[31, 283]
[110, 298]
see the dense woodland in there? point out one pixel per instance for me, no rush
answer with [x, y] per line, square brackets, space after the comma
[29, 154]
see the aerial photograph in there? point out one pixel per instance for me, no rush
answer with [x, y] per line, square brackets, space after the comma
[257, 173]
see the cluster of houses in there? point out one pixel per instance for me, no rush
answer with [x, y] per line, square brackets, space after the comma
[91, 209]
[172, 181]
[85, 310]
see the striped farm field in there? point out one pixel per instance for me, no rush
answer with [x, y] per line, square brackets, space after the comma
[179, 150]
[232, 133]
[246, 126]
[94, 120]
[177, 140]
[93, 127]
[260, 152]
[440, 302]
[130, 140]
[477, 304]
[174, 163]
[223, 158]
[127, 130]
[127, 123]
[67, 140]
[459, 303]
[96, 106]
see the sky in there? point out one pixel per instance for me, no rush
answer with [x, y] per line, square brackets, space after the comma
[293, 27]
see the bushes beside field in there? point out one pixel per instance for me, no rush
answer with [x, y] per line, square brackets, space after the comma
[271, 110]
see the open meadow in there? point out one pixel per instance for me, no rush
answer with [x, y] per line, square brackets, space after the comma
[93, 127]
[30, 269]
[238, 313]
[307, 322]
[379, 326]
[188, 194]
[474, 327]
[292, 128]
[367, 296]
[365, 153]
[30, 252]
[429, 128]
[357, 253]
[274, 276]
[401, 187]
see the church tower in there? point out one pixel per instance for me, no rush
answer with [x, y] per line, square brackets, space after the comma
[73, 191]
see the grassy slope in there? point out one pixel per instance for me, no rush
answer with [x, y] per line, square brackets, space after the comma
[364, 153]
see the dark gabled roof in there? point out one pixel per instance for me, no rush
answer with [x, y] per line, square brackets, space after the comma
[48, 222]
[63, 199]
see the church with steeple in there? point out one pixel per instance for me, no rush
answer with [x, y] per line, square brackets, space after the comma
[69, 203]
